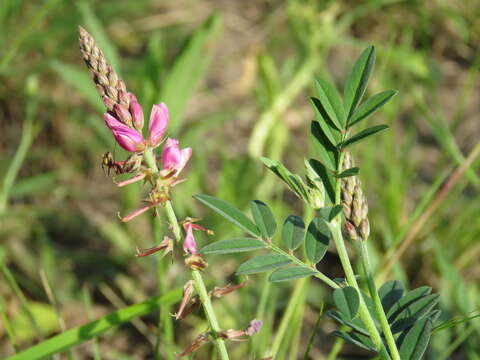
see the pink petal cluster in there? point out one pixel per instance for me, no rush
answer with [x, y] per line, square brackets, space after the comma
[173, 158]
[130, 138]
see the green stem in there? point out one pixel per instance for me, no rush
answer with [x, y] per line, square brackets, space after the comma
[149, 158]
[210, 314]
[377, 302]
[352, 281]
[363, 312]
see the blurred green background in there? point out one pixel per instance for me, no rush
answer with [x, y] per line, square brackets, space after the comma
[236, 76]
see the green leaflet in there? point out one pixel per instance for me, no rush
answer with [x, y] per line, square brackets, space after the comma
[328, 153]
[347, 173]
[371, 105]
[359, 340]
[413, 312]
[229, 212]
[263, 218]
[231, 246]
[332, 103]
[390, 293]
[358, 80]
[294, 182]
[363, 134]
[356, 324]
[263, 263]
[416, 341]
[347, 301]
[317, 240]
[290, 273]
[293, 232]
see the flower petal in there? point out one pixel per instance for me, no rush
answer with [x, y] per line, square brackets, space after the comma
[173, 157]
[128, 138]
[171, 154]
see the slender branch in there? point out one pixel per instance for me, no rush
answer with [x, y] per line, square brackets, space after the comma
[377, 302]
[196, 275]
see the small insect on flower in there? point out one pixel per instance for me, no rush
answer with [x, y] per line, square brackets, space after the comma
[132, 164]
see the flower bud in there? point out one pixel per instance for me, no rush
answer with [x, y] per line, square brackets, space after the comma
[350, 230]
[123, 114]
[364, 229]
[109, 103]
[157, 124]
[137, 115]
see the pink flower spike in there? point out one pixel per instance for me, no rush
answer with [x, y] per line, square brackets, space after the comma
[173, 157]
[157, 124]
[189, 244]
[136, 112]
[129, 139]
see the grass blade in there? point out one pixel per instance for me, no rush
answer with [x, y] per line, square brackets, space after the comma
[79, 335]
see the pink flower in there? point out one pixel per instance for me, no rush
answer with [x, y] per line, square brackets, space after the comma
[157, 124]
[189, 244]
[254, 327]
[128, 138]
[173, 158]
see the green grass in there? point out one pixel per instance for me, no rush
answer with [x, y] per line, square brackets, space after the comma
[237, 81]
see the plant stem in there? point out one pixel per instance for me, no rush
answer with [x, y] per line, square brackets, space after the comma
[363, 312]
[149, 158]
[377, 302]
[352, 281]
[210, 314]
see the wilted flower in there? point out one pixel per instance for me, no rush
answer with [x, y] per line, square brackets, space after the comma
[237, 335]
[220, 291]
[187, 294]
[199, 341]
[174, 159]
[166, 244]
